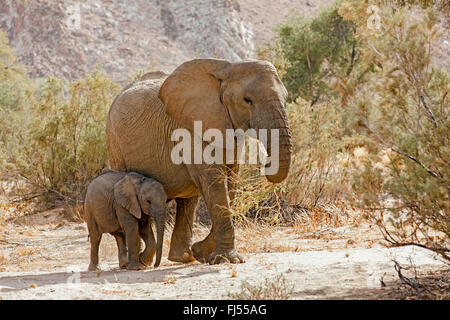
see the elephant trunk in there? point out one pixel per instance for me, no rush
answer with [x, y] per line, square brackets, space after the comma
[282, 146]
[160, 218]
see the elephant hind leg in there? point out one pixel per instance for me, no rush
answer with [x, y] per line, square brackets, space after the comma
[95, 243]
[181, 240]
[95, 236]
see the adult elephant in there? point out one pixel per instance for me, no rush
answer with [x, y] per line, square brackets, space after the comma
[221, 94]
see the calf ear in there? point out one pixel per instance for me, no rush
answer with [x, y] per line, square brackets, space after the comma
[126, 196]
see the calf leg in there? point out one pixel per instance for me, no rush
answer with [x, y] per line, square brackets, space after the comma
[122, 248]
[95, 243]
[130, 226]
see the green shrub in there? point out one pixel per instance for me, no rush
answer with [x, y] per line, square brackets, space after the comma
[15, 94]
[442, 5]
[307, 52]
[318, 171]
[52, 135]
[404, 183]
[320, 165]
[385, 145]
[64, 143]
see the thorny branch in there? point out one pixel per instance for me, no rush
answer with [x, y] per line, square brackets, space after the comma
[431, 172]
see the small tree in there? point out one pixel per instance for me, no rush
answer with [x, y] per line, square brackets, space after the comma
[308, 52]
[65, 137]
[15, 94]
[404, 109]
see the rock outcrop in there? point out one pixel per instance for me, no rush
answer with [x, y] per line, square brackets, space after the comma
[67, 38]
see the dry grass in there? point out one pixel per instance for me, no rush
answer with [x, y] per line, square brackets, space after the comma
[18, 198]
[418, 285]
[4, 259]
[251, 190]
[108, 251]
[119, 292]
[170, 280]
[325, 217]
[276, 288]
[254, 235]
[263, 217]
[75, 212]
[20, 256]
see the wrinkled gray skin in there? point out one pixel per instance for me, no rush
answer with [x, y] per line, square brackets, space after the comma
[120, 203]
[221, 94]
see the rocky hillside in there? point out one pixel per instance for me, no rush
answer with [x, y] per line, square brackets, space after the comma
[67, 38]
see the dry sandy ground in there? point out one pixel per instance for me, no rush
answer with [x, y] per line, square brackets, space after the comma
[44, 258]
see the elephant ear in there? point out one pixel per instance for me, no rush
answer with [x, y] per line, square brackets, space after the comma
[192, 93]
[126, 195]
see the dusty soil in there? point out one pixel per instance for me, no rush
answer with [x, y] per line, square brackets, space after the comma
[43, 256]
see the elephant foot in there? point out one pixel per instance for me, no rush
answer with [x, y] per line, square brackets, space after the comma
[228, 256]
[146, 258]
[123, 262]
[185, 257]
[135, 266]
[202, 250]
[93, 267]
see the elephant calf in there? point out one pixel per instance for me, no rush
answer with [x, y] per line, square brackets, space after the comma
[120, 203]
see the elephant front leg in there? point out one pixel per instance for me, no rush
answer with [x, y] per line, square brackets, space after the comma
[130, 226]
[122, 249]
[219, 245]
[202, 250]
[181, 240]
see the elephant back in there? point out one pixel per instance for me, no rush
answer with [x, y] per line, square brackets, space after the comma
[138, 135]
[154, 75]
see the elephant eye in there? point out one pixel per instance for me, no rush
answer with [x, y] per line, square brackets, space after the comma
[248, 100]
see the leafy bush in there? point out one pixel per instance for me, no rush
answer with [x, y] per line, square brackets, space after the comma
[52, 135]
[442, 5]
[65, 137]
[15, 91]
[316, 174]
[320, 166]
[307, 52]
[404, 183]
[386, 144]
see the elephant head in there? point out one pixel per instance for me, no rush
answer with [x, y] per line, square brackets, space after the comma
[223, 95]
[139, 194]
